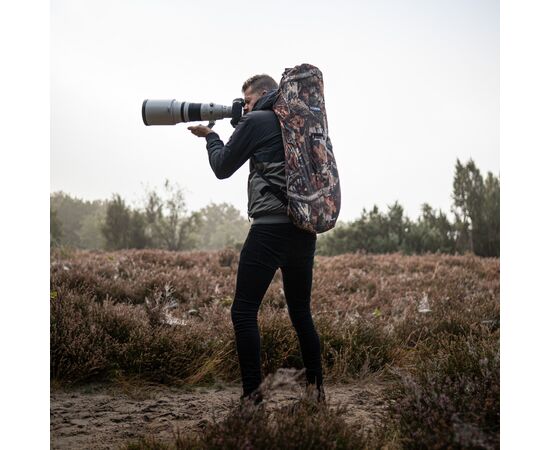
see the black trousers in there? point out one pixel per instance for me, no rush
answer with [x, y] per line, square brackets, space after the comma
[267, 248]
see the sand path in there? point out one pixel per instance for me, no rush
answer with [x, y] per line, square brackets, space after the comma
[101, 416]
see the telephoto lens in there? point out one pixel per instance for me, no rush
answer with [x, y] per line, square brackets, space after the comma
[171, 112]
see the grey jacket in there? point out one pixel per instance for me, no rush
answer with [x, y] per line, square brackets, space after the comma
[257, 138]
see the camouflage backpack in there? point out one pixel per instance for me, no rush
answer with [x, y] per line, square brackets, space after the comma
[313, 185]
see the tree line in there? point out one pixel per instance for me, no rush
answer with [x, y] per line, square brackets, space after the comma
[162, 221]
[474, 227]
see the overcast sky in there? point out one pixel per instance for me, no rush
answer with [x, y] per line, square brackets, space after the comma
[410, 86]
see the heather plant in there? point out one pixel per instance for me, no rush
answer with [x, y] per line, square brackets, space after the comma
[92, 339]
[101, 340]
[366, 306]
[447, 372]
[428, 324]
[304, 424]
[451, 397]
[77, 350]
[279, 342]
[352, 347]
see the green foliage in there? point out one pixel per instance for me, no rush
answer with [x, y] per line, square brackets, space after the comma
[90, 230]
[222, 226]
[163, 222]
[431, 233]
[138, 230]
[117, 224]
[166, 217]
[373, 232]
[78, 221]
[491, 216]
[477, 209]
[476, 226]
[55, 228]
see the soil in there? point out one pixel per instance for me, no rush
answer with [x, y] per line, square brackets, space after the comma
[107, 416]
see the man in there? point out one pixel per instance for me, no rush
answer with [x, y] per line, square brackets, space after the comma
[273, 240]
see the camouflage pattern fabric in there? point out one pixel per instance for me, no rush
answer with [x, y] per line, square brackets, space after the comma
[313, 185]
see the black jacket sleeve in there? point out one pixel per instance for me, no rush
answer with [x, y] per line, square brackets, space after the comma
[226, 159]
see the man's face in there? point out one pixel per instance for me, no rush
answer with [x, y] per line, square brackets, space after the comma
[250, 98]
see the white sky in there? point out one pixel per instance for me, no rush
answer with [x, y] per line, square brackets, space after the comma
[409, 87]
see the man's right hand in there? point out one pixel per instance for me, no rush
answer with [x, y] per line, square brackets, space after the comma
[200, 130]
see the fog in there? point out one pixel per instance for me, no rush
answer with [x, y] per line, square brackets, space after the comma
[409, 87]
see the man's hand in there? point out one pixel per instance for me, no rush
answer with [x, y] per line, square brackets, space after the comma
[200, 130]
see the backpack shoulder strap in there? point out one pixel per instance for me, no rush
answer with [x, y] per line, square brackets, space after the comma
[275, 190]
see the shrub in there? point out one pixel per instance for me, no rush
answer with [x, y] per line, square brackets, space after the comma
[304, 424]
[452, 398]
[428, 323]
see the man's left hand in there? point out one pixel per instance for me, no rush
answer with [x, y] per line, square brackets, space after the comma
[200, 130]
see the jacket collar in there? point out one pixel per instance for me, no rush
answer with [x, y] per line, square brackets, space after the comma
[267, 101]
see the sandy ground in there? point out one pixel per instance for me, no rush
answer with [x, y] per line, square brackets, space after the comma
[99, 416]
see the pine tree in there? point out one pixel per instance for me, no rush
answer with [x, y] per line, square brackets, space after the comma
[477, 209]
[116, 228]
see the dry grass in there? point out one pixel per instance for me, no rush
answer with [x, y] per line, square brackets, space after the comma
[430, 323]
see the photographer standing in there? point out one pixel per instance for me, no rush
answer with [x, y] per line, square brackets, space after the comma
[273, 240]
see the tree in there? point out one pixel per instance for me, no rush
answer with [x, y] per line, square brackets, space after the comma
[222, 225]
[90, 234]
[468, 199]
[80, 220]
[116, 228]
[373, 232]
[336, 241]
[476, 225]
[382, 233]
[397, 224]
[137, 233]
[56, 231]
[477, 209]
[491, 216]
[431, 233]
[166, 218]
